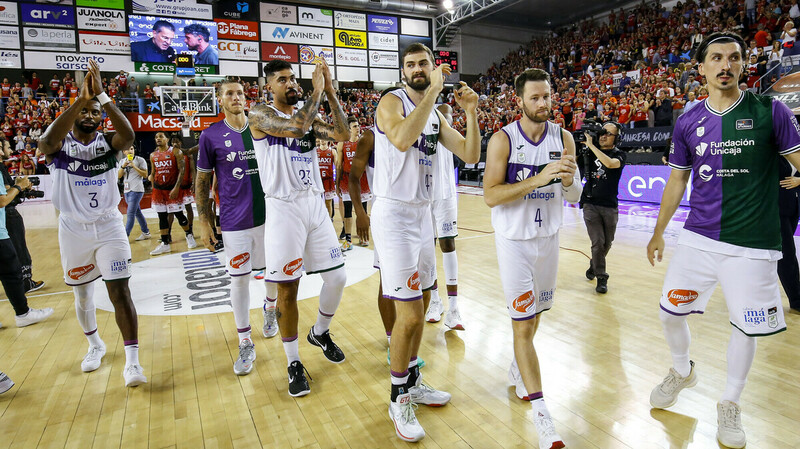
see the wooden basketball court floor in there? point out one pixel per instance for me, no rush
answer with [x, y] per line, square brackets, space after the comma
[600, 355]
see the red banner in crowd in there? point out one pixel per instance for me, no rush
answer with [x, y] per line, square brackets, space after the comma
[155, 122]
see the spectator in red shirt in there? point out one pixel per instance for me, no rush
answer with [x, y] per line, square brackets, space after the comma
[35, 83]
[5, 88]
[55, 83]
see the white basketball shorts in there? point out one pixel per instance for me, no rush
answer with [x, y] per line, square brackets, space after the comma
[92, 250]
[445, 214]
[244, 250]
[528, 270]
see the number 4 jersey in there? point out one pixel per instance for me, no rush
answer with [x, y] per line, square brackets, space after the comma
[85, 179]
[540, 212]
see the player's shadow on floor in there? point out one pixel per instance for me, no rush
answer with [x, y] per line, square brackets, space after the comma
[679, 429]
[455, 346]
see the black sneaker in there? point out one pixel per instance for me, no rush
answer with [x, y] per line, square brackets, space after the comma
[34, 285]
[298, 385]
[342, 234]
[590, 272]
[602, 285]
[329, 348]
[219, 246]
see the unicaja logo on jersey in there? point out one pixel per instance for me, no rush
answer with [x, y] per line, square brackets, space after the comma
[523, 174]
[77, 273]
[524, 302]
[291, 268]
[701, 149]
[413, 281]
[74, 166]
[705, 173]
[231, 156]
[679, 297]
[240, 260]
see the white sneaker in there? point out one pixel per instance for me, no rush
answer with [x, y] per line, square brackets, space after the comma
[190, 241]
[665, 394]
[548, 437]
[453, 320]
[424, 394]
[134, 376]
[5, 382]
[405, 421]
[33, 316]
[515, 378]
[434, 310]
[270, 323]
[143, 236]
[247, 356]
[162, 248]
[93, 358]
[729, 421]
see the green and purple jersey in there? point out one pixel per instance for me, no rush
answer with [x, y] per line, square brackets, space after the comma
[734, 158]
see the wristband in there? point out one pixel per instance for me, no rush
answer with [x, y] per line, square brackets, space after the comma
[16, 187]
[103, 99]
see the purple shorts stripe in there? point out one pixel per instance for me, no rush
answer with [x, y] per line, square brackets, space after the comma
[324, 314]
[130, 342]
[289, 339]
[679, 314]
[282, 282]
[535, 396]
[396, 374]
[268, 299]
[90, 333]
[245, 329]
[242, 274]
[416, 298]
[523, 319]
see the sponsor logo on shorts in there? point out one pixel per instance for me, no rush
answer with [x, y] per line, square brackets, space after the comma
[413, 281]
[77, 273]
[772, 317]
[119, 266]
[679, 297]
[240, 260]
[524, 302]
[292, 267]
[336, 253]
[755, 317]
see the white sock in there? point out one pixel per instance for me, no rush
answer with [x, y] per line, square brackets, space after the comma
[94, 339]
[272, 295]
[330, 296]
[240, 302]
[450, 262]
[539, 407]
[453, 302]
[741, 351]
[389, 338]
[435, 294]
[132, 354]
[676, 331]
[291, 349]
[244, 333]
[85, 310]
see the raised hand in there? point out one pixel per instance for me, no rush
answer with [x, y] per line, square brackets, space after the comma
[326, 71]
[318, 77]
[466, 97]
[437, 77]
[96, 80]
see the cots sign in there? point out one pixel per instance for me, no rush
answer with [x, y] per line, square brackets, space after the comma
[196, 283]
[154, 67]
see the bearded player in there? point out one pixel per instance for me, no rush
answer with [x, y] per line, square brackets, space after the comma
[91, 234]
[299, 232]
[226, 148]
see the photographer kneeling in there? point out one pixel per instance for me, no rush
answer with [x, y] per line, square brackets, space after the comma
[10, 270]
[602, 169]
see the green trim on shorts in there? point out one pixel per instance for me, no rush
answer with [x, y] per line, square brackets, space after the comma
[325, 270]
[118, 279]
[758, 335]
[449, 237]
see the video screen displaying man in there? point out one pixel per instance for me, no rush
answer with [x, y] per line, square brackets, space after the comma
[197, 38]
[158, 48]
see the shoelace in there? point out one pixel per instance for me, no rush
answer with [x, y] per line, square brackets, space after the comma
[94, 353]
[730, 417]
[134, 369]
[269, 315]
[671, 382]
[246, 352]
[407, 412]
[545, 426]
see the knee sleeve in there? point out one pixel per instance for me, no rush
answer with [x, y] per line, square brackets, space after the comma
[163, 221]
[348, 209]
[240, 300]
[84, 306]
[182, 220]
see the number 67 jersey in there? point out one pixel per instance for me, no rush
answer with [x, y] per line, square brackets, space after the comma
[540, 212]
[85, 179]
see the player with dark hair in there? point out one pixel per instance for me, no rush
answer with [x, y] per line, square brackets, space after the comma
[299, 233]
[345, 152]
[198, 38]
[732, 142]
[158, 47]
[91, 234]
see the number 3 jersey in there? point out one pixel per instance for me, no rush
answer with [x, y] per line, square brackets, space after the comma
[540, 212]
[289, 167]
[85, 179]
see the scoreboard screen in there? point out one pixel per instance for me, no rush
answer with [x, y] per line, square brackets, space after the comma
[447, 57]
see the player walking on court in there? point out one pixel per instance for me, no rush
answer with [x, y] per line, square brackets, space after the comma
[327, 160]
[91, 234]
[445, 215]
[408, 130]
[346, 151]
[299, 232]
[732, 142]
[530, 170]
[168, 167]
[226, 148]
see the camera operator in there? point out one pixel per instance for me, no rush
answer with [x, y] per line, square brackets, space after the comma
[16, 228]
[602, 169]
[10, 270]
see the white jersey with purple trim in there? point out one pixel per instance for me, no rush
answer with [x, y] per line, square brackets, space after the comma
[288, 167]
[85, 179]
[407, 176]
[540, 212]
